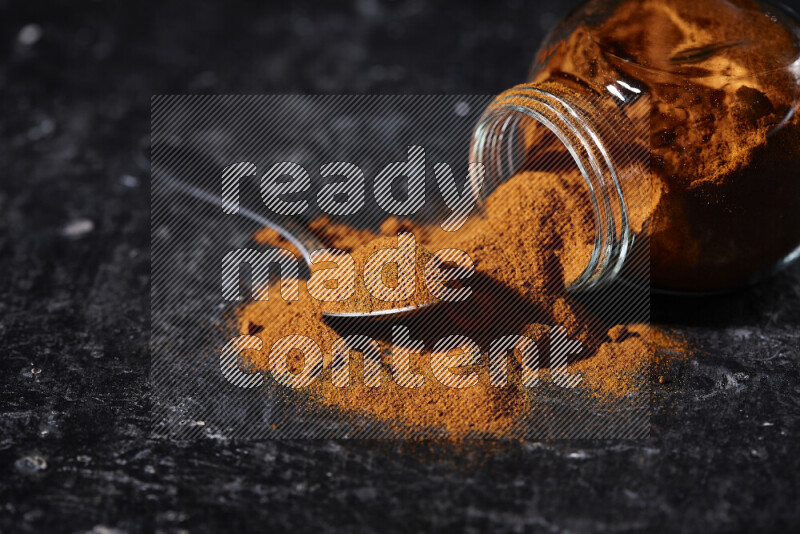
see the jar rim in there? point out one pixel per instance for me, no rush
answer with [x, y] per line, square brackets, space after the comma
[613, 235]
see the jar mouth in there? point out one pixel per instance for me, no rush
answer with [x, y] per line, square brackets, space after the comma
[567, 120]
[507, 159]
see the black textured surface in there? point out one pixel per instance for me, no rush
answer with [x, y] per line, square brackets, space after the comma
[74, 454]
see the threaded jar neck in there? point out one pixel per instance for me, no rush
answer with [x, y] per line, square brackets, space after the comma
[590, 132]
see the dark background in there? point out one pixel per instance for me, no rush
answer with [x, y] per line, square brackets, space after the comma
[74, 265]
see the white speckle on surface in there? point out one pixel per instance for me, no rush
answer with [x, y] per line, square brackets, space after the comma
[577, 455]
[216, 435]
[462, 109]
[129, 181]
[767, 423]
[632, 495]
[102, 529]
[45, 127]
[29, 34]
[31, 464]
[740, 333]
[77, 228]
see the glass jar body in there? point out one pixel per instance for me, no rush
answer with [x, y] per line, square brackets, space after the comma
[720, 98]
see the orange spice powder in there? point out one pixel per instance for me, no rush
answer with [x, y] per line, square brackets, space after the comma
[529, 241]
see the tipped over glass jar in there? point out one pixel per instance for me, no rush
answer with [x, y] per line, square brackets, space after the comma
[681, 116]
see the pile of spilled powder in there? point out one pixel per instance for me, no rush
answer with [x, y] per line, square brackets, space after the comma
[529, 242]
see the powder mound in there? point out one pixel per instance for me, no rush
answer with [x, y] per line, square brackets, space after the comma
[544, 222]
[525, 244]
[624, 365]
[534, 234]
[386, 288]
[481, 409]
[272, 319]
[635, 356]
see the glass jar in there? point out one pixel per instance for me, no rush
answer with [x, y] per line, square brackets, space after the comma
[681, 116]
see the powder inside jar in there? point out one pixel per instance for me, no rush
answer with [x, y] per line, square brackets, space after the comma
[532, 237]
[724, 135]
